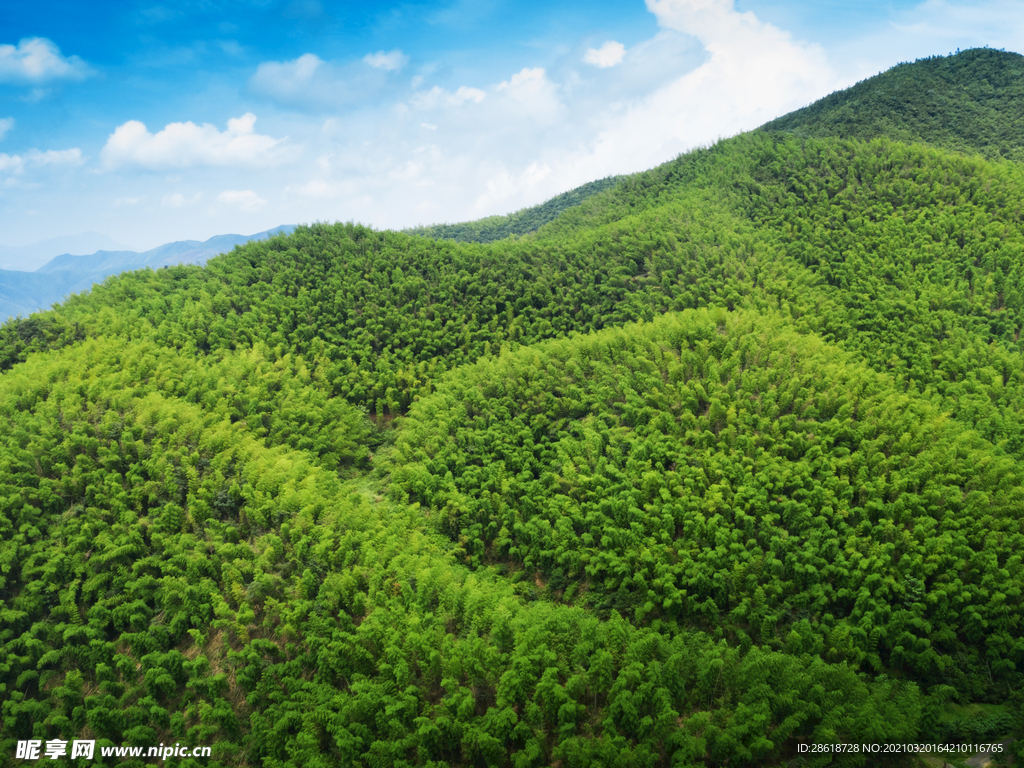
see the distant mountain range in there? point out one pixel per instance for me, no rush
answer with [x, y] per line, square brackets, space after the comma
[24, 292]
[28, 258]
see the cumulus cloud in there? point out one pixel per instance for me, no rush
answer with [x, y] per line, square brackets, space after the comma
[185, 145]
[243, 199]
[36, 60]
[506, 183]
[312, 82]
[34, 158]
[753, 72]
[391, 61]
[608, 55]
[56, 157]
[533, 92]
[509, 112]
[711, 72]
[5, 125]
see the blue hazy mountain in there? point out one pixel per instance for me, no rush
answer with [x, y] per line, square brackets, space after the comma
[22, 293]
[28, 258]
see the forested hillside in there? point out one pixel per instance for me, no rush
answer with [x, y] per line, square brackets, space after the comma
[722, 460]
[519, 223]
[972, 102]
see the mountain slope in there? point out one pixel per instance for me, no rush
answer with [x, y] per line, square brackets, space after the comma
[970, 102]
[519, 223]
[747, 456]
[733, 226]
[721, 462]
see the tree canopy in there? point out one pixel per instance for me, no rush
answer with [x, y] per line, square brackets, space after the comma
[704, 464]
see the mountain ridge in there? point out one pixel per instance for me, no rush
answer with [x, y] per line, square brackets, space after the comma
[970, 102]
[188, 251]
[22, 293]
[26, 258]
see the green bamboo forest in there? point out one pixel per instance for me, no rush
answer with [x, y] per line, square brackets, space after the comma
[693, 467]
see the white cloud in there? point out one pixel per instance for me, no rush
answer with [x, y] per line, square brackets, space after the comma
[411, 153]
[37, 60]
[245, 200]
[283, 78]
[185, 145]
[310, 81]
[546, 130]
[533, 92]
[608, 55]
[18, 164]
[57, 157]
[753, 73]
[5, 125]
[391, 61]
[505, 184]
[439, 97]
[525, 82]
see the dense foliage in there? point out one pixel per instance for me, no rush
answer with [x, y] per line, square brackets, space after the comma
[519, 223]
[717, 470]
[173, 570]
[721, 459]
[972, 102]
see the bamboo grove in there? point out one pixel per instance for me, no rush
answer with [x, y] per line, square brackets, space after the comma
[699, 465]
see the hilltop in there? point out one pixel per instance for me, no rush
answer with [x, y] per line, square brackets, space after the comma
[721, 460]
[972, 102]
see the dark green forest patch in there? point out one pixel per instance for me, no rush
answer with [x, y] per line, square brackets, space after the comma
[972, 102]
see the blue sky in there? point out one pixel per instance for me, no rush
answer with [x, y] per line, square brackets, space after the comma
[152, 122]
